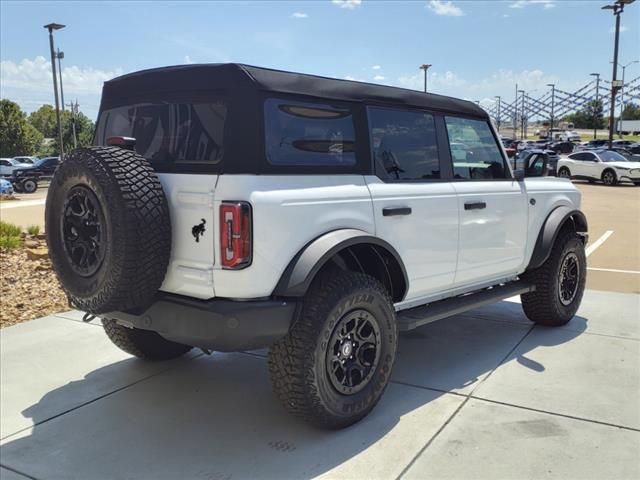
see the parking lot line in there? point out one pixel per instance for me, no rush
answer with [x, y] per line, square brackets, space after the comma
[22, 203]
[592, 248]
[613, 270]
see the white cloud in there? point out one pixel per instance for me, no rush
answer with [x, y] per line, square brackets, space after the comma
[299, 15]
[546, 4]
[376, 67]
[187, 60]
[348, 4]
[378, 77]
[447, 8]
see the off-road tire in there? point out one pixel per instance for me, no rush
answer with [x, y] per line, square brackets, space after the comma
[135, 241]
[297, 367]
[609, 178]
[561, 173]
[543, 306]
[143, 344]
[29, 185]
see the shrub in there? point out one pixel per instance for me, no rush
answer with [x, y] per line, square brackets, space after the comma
[9, 230]
[9, 242]
[33, 230]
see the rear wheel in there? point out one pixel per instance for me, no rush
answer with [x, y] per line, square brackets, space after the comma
[609, 178]
[143, 344]
[29, 185]
[333, 366]
[564, 173]
[559, 282]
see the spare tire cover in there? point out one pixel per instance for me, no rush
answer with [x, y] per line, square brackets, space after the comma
[108, 229]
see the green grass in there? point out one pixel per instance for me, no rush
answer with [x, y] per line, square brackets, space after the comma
[9, 230]
[33, 230]
[10, 235]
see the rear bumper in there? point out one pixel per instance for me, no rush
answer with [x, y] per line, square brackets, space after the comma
[218, 324]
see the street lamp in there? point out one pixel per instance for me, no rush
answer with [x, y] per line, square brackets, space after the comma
[618, 8]
[595, 105]
[624, 68]
[425, 67]
[522, 116]
[51, 27]
[60, 56]
[553, 100]
[498, 115]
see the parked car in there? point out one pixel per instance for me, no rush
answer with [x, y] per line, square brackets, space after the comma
[562, 147]
[631, 157]
[633, 147]
[5, 187]
[326, 217]
[9, 165]
[26, 160]
[42, 168]
[597, 143]
[599, 165]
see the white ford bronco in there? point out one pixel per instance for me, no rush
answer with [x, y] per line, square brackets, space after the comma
[230, 208]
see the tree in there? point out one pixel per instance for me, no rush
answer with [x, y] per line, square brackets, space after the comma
[585, 118]
[17, 135]
[44, 120]
[631, 112]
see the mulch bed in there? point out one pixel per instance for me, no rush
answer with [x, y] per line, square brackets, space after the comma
[28, 285]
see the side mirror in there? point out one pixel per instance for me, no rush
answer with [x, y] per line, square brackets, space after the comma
[537, 166]
[518, 174]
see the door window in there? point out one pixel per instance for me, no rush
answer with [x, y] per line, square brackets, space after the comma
[474, 150]
[403, 144]
[301, 133]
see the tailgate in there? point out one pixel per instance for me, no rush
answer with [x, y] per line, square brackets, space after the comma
[190, 200]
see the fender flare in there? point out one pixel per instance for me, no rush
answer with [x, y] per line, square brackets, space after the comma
[302, 269]
[549, 232]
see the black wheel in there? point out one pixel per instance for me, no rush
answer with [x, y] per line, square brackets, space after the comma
[564, 173]
[17, 187]
[609, 178]
[143, 343]
[108, 229]
[333, 366]
[29, 185]
[559, 282]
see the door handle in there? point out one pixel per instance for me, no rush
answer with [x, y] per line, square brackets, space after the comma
[475, 206]
[393, 211]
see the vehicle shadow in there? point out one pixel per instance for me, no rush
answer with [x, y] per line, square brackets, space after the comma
[215, 417]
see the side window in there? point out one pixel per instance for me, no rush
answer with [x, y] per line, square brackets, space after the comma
[474, 150]
[5, 163]
[404, 144]
[589, 157]
[301, 133]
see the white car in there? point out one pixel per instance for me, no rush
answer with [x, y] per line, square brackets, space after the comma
[315, 216]
[8, 165]
[606, 166]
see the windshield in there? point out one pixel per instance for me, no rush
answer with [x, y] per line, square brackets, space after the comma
[609, 156]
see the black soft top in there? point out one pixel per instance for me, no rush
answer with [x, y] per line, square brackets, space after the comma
[237, 78]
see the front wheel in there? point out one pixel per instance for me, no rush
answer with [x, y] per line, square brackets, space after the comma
[29, 185]
[559, 282]
[564, 173]
[609, 178]
[335, 363]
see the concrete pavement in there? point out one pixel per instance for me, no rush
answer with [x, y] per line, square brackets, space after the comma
[480, 395]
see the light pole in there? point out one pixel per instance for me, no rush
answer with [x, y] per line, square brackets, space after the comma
[60, 56]
[515, 114]
[51, 27]
[425, 67]
[595, 105]
[624, 68]
[522, 116]
[553, 100]
[498, 119]
[618, 8]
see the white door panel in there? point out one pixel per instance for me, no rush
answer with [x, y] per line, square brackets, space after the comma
[190, 200]
[427, 238]
[493, 238]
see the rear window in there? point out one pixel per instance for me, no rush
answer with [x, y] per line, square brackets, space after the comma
[169, 133]
[303, 134]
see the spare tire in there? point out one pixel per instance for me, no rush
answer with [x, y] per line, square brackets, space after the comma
[108, 229]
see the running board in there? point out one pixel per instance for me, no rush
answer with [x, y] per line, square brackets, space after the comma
[418, 316]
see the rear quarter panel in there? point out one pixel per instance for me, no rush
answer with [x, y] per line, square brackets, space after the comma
[289, 211]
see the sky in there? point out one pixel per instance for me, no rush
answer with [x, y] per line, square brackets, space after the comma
[478, 49]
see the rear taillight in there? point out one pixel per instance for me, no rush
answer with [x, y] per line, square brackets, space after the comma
[235, 235]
